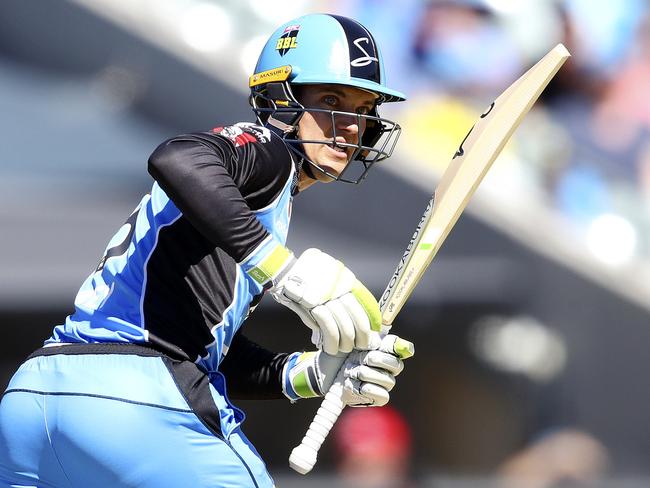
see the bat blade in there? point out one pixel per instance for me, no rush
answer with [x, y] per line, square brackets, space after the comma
[474, 157]
[470, 163]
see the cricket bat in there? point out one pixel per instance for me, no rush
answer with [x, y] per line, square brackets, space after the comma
[470, 163]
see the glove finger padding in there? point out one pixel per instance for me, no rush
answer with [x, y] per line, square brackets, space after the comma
[359, 319]
[329, 329]
[329, 299]
[317, 338]
[368, 376]
[359, 394]
[375, 376]
[384, 361]
[377, 394]
[345, 325]
[397, 346]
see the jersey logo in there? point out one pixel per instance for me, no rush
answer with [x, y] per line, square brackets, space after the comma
[288, 40]
[243, 133]
[366, 59]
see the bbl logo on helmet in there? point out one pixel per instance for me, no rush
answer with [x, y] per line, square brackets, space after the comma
[287, 40]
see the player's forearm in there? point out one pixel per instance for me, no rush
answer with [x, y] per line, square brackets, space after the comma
[252, 372]
[194, 174]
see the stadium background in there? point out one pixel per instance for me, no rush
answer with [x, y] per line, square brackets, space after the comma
[533, 320]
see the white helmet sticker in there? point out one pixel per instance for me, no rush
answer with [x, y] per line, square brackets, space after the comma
[366, 59]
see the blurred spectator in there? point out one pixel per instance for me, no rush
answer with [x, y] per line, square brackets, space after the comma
[463, 48]
[565, 457]
[622, 115]
[589, 158]
[603, 31]
[393, 29]
[373, 448]
[601, 102]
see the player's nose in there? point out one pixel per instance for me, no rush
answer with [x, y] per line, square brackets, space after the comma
[348, 125]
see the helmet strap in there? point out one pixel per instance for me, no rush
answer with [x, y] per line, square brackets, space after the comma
[278, 124]
[308, 169]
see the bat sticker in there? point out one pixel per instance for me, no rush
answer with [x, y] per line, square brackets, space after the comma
[461, 151]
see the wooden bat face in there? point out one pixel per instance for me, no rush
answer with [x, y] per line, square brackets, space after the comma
[471, 161]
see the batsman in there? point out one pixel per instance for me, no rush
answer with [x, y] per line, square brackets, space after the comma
[134, 388]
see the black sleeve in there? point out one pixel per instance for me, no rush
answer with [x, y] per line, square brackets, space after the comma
[252, 372]
[209, 179]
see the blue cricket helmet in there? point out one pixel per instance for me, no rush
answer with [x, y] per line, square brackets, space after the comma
[323, 48]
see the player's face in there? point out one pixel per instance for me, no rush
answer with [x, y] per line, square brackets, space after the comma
[318, 125]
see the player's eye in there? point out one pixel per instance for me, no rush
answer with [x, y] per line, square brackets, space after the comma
[330, 100]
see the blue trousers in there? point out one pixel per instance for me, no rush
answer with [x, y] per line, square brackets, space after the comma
[106, 416]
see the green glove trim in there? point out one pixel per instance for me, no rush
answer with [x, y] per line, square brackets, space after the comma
[303, 376]
[403, 348]
[302, 386]
[369, 304]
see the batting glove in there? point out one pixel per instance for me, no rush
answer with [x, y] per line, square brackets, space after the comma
[337, 307]
[369, 376]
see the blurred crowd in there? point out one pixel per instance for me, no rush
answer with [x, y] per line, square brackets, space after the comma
[584, 150]
[373, 449]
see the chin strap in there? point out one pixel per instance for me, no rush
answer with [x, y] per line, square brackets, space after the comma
[281, 126]
[307, 168]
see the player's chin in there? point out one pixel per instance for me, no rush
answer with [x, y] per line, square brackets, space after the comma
[331, 171]
[327, 174]
[333, 161]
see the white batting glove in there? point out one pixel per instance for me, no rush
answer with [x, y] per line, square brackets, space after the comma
[369, 375]
[337, 307]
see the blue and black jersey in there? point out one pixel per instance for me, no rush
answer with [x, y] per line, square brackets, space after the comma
[174, 276]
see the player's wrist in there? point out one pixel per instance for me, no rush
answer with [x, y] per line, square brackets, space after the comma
[272, 266]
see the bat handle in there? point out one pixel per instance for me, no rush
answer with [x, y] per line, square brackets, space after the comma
[303, 457]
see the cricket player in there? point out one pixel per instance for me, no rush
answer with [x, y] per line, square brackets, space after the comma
[134, 388]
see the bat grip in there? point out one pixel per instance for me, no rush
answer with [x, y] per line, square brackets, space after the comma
[303, 457]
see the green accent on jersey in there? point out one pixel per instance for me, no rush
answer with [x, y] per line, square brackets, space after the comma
[258, 275]
[403, 348]
[270, 265]
[369, 304]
